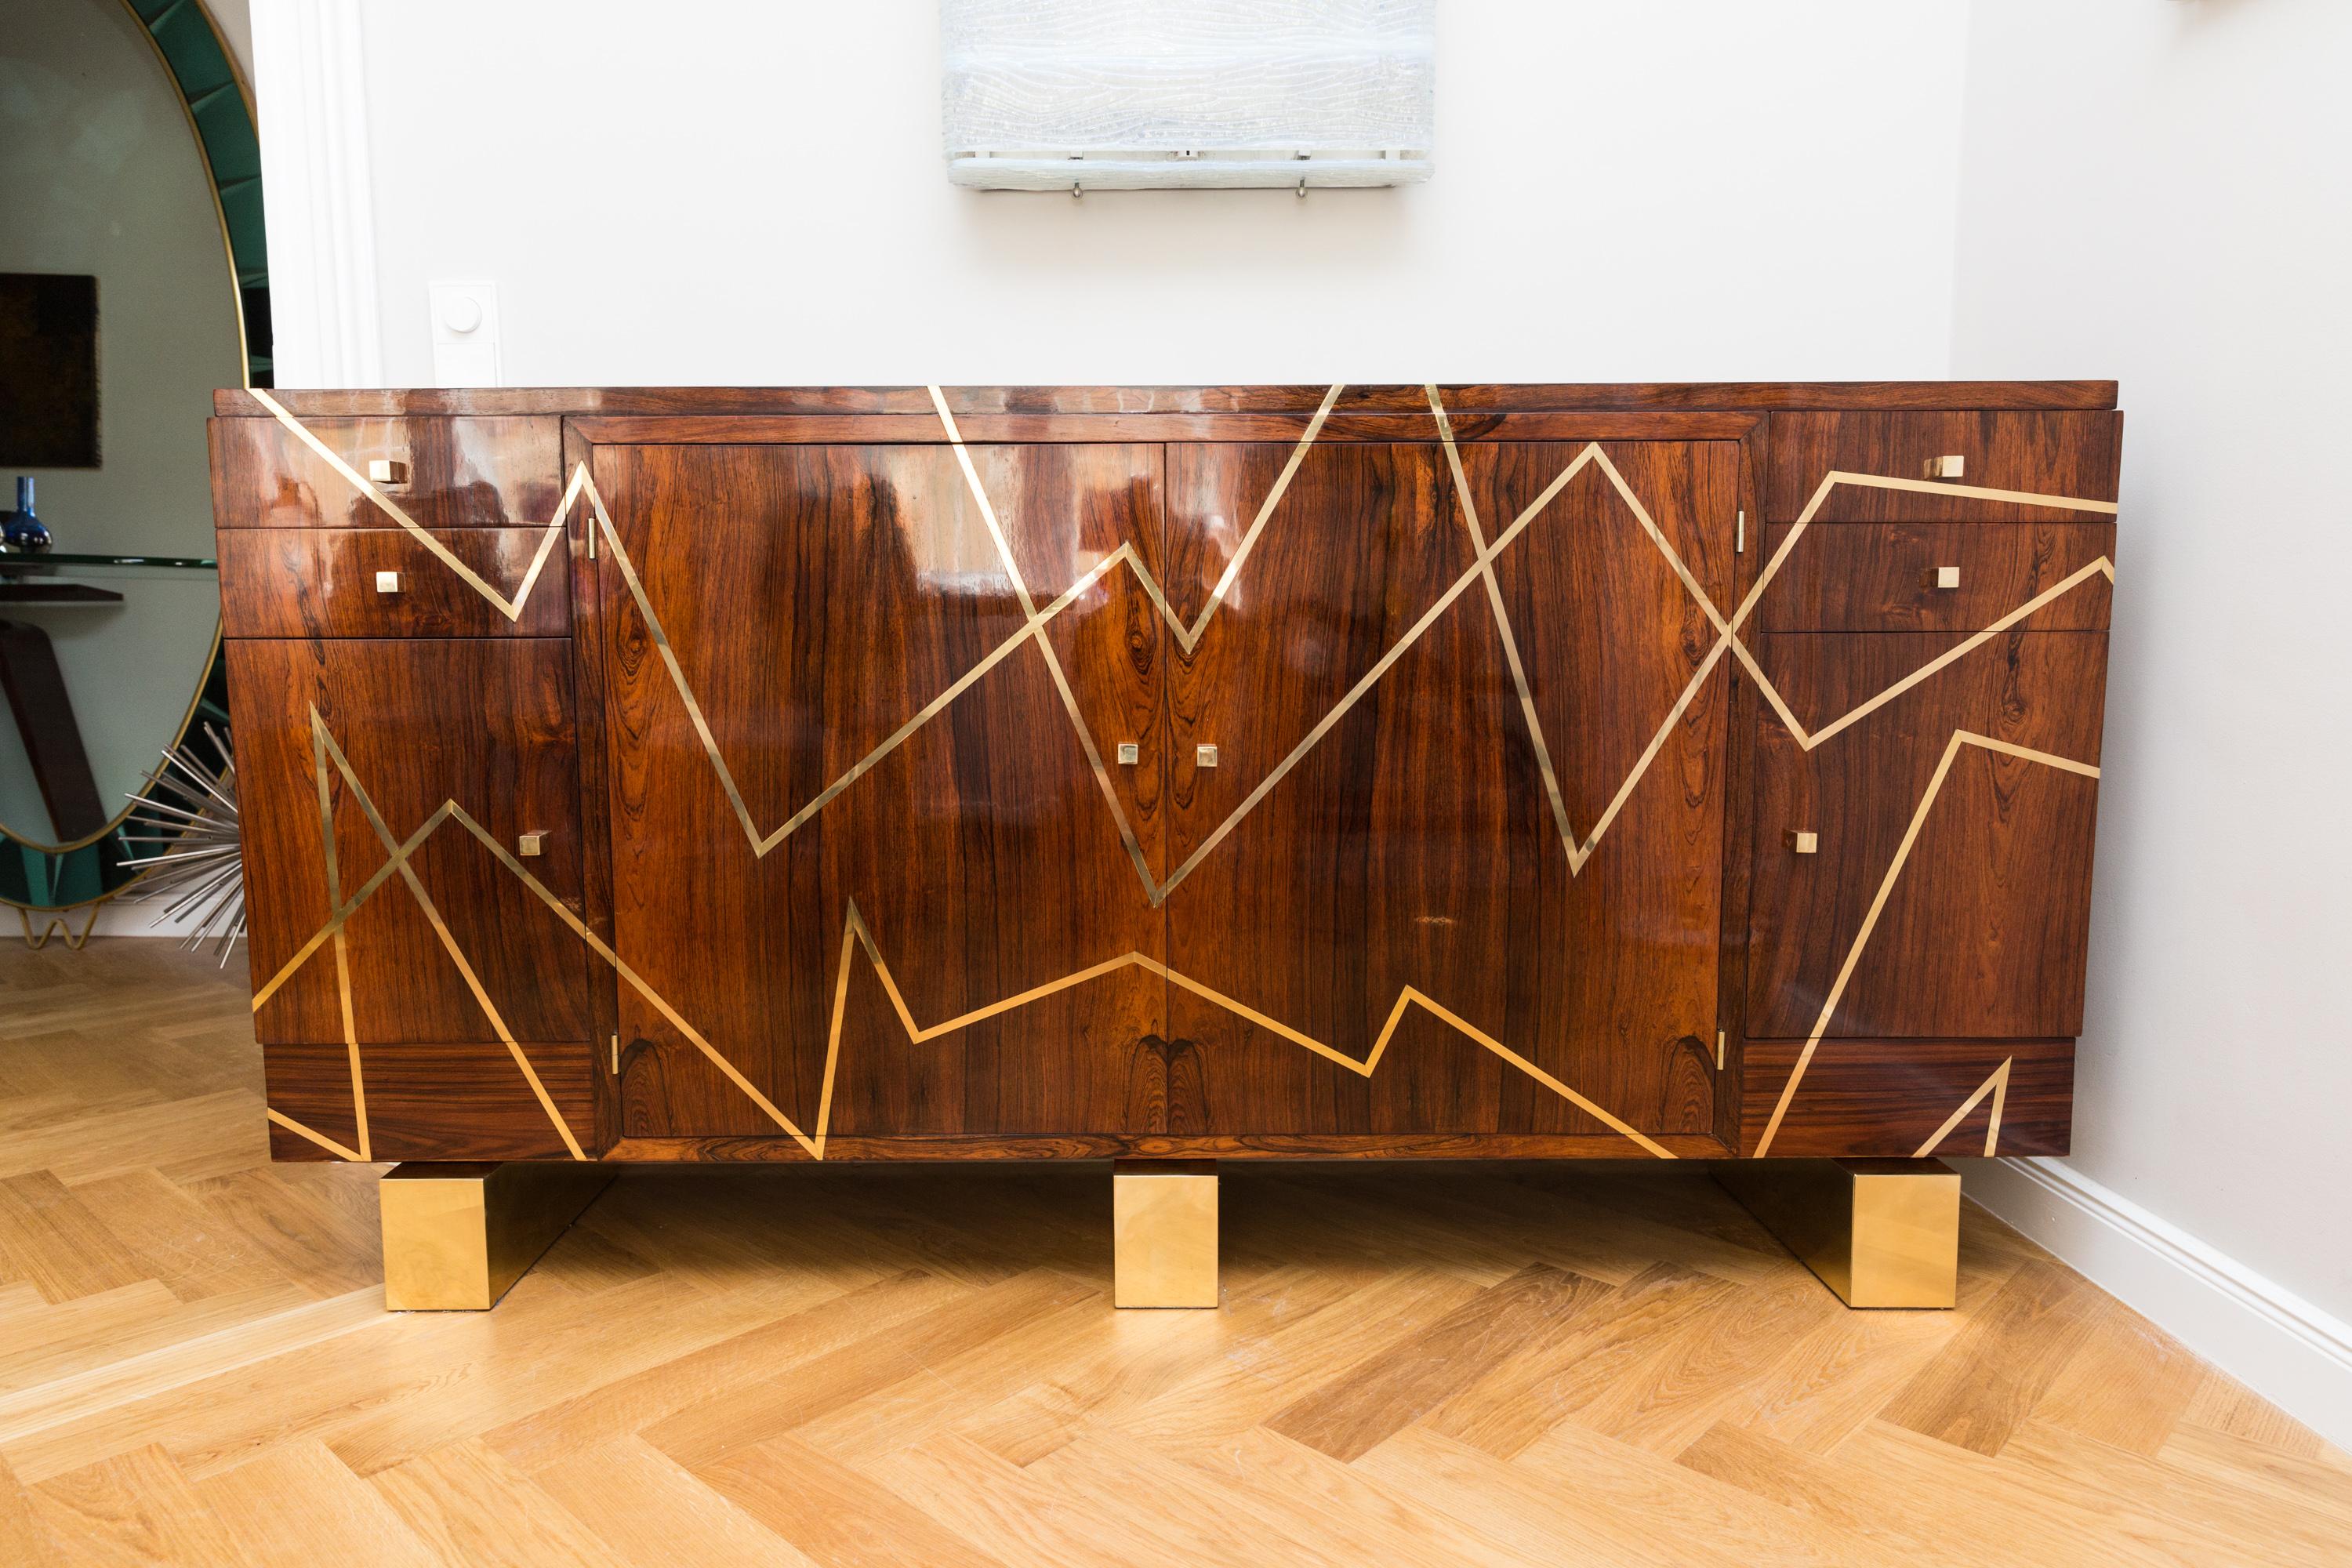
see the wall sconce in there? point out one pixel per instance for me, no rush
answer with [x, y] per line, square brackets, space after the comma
[1078, 95]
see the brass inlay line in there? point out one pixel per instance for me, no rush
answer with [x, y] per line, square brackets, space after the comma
[510, 609]
[351, 1042]
[1503, 626]
[1831, 481]
[452, 811]
[1035, 626]
[1726, 640]
[762, 844]
[1188, 638]
[856, 935]
[321, 1139]
[980, 494]
[1998, 1087]
[345, 910]
[1886, 887]
[343, 958]
[399, 853]
[441, 930]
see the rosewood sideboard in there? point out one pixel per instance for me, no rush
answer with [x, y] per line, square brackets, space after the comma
[1650, 772]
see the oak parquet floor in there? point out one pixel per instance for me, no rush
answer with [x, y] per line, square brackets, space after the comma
[1505, 1364]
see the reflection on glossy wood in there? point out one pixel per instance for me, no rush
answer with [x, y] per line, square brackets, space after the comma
[1415, 844]
[840, 591]
[1095, 429]
[1984, 933]
[1320, 905]
[2070, 455]
[1743, 397]
[1520, 789]
[1623, 1004]
[486, 724]
[321, 583]
[462, 473]
[1879, 577]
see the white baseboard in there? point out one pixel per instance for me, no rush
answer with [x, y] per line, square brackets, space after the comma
[2282, 1347]
[127, 917]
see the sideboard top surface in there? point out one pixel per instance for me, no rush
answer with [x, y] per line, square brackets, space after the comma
[1477, 398]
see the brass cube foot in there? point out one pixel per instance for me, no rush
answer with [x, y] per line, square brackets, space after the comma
[1164, 1233]
[457, 1236]
[1880, 1233]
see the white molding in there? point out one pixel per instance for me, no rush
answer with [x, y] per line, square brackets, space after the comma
[2286, 1348]
[311, 91]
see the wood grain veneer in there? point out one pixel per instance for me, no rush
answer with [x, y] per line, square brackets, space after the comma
[822, 697]
[321, 583]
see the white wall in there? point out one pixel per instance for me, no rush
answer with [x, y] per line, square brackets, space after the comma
[715, 191]
[2163, 192]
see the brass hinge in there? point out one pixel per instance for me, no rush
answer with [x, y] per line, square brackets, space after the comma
[1718, 1050]
[616, 1056]
[1738, 535]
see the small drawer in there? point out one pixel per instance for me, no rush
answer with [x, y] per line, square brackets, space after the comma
[1934, 576]
[433, 1102]
[2067, 454]
[383, 583]
[443, 472]
[1891, 1097]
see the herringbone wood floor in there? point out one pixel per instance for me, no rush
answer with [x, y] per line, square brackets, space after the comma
[1417, 1364]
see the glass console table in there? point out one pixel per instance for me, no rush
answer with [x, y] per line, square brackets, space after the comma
[84, 856]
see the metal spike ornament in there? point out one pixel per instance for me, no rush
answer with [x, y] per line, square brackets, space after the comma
[190, 812]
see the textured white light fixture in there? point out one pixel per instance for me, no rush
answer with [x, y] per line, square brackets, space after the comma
[1073, 95]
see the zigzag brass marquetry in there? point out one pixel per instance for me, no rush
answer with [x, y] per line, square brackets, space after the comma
[1877, 905]
[1461, 738]
[856, 937]
[1189, 636]
[1996, 1085]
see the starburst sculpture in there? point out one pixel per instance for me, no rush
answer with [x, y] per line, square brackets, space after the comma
[190, 812]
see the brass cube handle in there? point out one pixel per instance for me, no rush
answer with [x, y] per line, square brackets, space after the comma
[1129, 754]
[1802, 843]
[530, 844]
[387, 471]
[387, 582]
[1206, 756]
[1940, 577]
[1950, 467]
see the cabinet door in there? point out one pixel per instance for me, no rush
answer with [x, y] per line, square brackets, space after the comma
[1950, 866]
[876, 868]
[450, 976]
[1378, 924]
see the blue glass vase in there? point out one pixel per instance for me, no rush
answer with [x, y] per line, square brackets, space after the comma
[20, 531]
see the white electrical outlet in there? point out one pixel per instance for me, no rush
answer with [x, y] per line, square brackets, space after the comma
[465, 334]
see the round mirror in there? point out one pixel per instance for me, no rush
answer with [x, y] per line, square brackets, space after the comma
[132, 284]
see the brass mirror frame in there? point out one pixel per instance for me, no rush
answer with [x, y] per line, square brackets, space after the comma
[38, 879]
